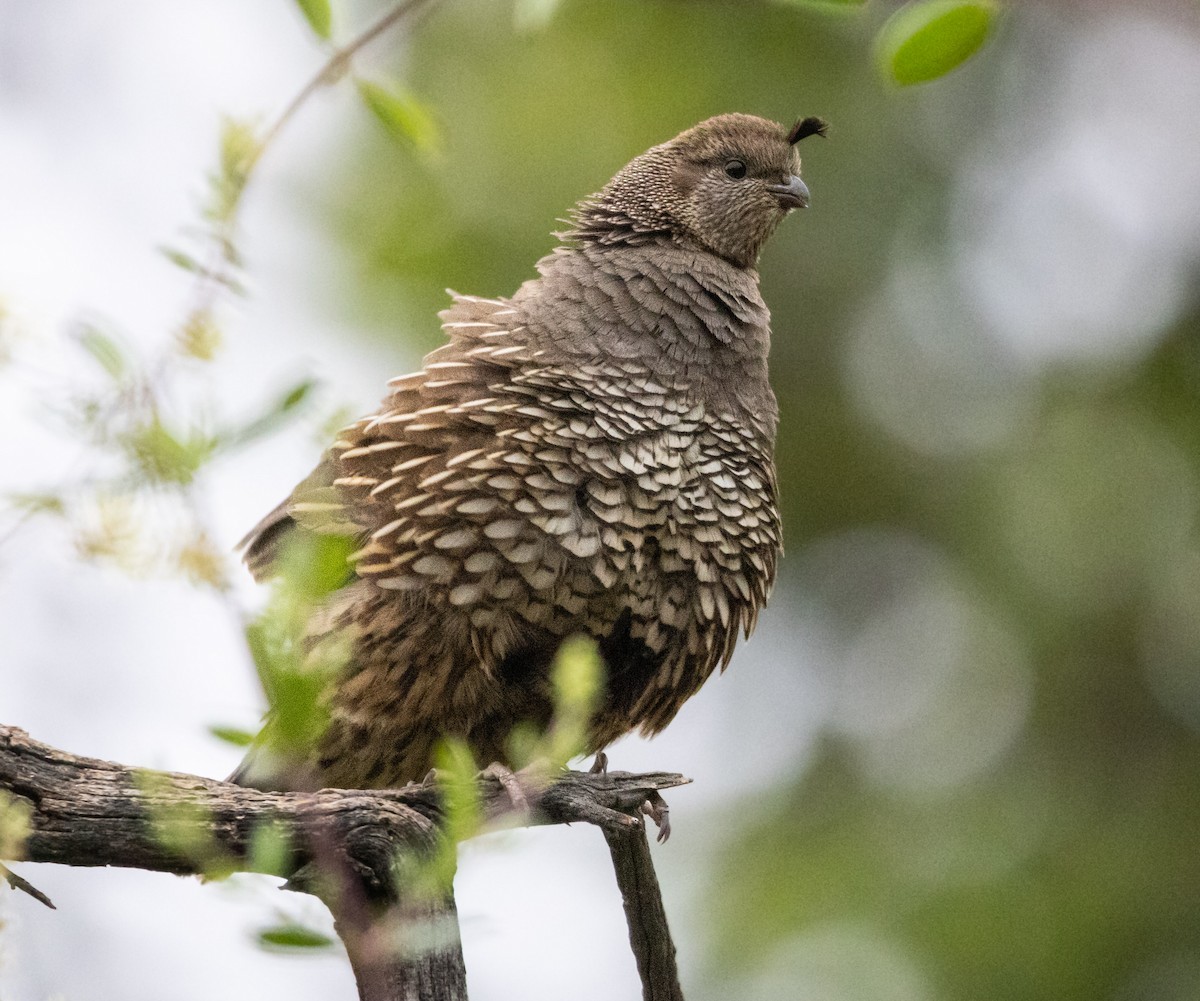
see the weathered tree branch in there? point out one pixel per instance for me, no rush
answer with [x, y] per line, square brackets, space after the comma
[649, 936]
[342, 844]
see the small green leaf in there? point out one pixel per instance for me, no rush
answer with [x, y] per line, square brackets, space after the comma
[103, 349]
[238, 152]
[822, 4]
[292, 936]
[270, 849]
[181, 259]
[199, 337]
[318, 15]
[456, 771]
[275, 416]
[182, 828]
[402, 115]
[37, 503]
[926, 39]
[314, 566]
[166, 457]
[296, 395]
[232, 735]
[15, 825]
[462, 817]
[578, 676]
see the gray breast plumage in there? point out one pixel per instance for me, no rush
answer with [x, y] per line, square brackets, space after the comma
[605, 466]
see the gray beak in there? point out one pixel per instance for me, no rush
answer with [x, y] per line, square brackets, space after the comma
[792, 195]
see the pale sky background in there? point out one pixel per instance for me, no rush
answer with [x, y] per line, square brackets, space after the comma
[108, 121]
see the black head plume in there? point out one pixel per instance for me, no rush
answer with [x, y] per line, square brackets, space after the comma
[805, 127]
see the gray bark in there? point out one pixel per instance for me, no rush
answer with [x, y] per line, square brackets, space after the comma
[350, 847]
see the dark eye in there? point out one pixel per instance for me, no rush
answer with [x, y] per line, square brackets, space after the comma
[735, 169]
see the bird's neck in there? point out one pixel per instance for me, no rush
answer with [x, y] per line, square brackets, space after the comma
[599, 221]
[692, 320]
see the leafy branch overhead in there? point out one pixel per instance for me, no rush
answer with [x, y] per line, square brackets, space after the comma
[924, 39]
[151, 421]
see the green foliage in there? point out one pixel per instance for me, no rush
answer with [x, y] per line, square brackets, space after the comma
[273, 418]
[313, 567]
[926, 39]
[820, 4]
[294, 938]
[402, 115]
[270, 850]
[182, 259]
[199, 335]
[236, 736]
[578, 677]
[152, 431]
[15, 817]
[45, 502]
[293, 671]
[239, 149]
[319, 16]
[103, 349]
[462, 818]
[164, 456]
[457, 769]
[183, 829]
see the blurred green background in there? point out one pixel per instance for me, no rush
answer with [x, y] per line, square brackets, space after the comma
[987, 356]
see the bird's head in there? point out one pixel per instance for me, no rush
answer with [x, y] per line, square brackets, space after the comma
[724, 184]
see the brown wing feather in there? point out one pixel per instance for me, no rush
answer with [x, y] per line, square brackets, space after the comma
[314, 506]
[262, 544]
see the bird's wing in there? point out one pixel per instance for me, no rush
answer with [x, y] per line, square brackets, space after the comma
[261, 545]
[434, 477]
[428, 419]
[313, 506]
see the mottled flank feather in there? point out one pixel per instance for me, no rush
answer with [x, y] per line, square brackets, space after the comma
[591, 455]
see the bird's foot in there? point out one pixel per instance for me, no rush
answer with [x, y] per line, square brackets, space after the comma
[655, 807]
[511, 783]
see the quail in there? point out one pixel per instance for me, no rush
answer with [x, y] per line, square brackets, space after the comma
[593, 455]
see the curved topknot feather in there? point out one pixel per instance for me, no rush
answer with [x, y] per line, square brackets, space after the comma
[805, 127]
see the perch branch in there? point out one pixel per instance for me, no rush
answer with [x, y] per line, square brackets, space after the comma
[87, 812]
[649, 935]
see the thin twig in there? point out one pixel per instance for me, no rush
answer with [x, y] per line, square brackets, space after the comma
[335, 67]
[22, 884]
[216, 274]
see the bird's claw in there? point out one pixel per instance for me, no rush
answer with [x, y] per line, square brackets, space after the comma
[655, 807]
[511, 784]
